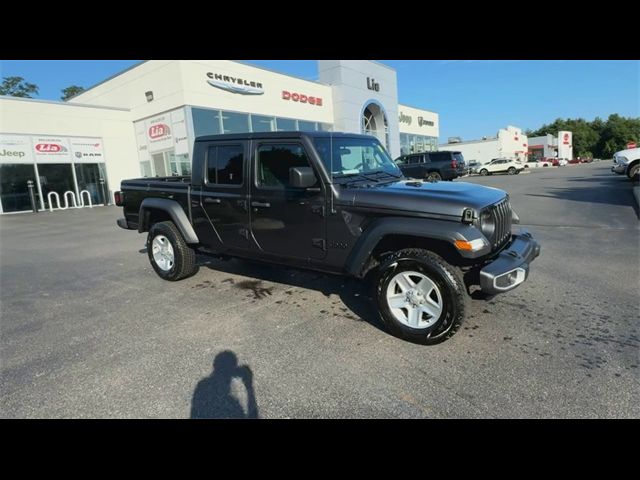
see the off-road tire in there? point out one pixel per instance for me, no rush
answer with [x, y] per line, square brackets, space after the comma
[449, 281]
[184, 264]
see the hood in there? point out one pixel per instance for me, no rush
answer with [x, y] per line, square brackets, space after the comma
[439, 198]
[629, 153]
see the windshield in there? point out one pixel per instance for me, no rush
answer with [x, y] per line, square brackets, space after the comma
[348, 157]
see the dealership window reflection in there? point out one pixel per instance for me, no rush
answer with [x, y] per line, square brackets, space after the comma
[233, 122]
[261, 123]
[14, 192]
[206, 122]
[88, 176]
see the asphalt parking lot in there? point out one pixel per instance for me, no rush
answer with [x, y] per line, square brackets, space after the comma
[89, 330]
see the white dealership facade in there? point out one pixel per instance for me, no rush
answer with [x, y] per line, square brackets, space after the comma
[510, 143]
[143, 121]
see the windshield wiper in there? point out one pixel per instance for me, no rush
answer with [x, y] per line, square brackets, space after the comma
[351, 176]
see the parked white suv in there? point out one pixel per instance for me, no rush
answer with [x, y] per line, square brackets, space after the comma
[627, 162]
[500, 165]
[538, 164]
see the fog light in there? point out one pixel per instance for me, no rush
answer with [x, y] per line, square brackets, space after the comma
[509, 279]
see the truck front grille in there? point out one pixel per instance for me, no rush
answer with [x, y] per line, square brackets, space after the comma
[501, 213]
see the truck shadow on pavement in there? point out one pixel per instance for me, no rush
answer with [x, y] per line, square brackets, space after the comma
[213, 396]
[599, 191]
[354, 294]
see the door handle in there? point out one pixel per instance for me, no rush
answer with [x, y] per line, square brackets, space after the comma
[211, 200]
[261, 204]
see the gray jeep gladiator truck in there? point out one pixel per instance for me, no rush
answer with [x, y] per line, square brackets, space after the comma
[335, 203]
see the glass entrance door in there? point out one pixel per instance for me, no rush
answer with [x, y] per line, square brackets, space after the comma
[56, 177]
[88, 176]
[14, 192]
[159, 165]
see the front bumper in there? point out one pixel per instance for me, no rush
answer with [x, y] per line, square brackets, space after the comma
[511, 267]
[619, 168]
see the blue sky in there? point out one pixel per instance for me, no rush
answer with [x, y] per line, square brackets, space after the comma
[473, 97]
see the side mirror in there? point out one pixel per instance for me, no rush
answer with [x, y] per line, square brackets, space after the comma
[302, 177]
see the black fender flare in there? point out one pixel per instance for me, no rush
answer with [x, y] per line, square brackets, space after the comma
[175, 211]
[427, 228]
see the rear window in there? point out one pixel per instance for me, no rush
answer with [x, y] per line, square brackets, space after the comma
[441, 156]
[458, 157]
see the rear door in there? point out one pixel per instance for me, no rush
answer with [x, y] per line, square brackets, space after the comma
[224, 194]
[417, 165]
[286, 221]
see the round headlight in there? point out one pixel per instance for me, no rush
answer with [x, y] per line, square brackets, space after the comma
[487, 224]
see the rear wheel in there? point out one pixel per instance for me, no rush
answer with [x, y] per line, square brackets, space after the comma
[169, 254]
[421, 298]
[434, 176]
[484, 172]
[511, 171]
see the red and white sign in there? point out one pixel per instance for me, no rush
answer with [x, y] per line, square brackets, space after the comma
[565, 139]
[159, 130]
[51, 149]
[632, 145]
[159, 134]
[301, 98]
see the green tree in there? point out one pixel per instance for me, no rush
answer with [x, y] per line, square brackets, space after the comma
[17, 87]
[71, 91]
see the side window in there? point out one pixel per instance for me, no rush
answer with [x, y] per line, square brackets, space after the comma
[224, 164]
[413, 159]
[275, 160]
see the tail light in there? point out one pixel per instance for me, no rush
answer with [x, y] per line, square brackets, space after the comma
[454, 164]
[119, 198]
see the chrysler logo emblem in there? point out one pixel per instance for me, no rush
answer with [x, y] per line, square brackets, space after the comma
[234, 84]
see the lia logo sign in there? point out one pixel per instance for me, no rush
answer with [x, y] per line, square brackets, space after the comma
[50, 148]
[158, 131]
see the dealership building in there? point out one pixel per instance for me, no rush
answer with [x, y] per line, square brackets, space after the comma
[143, 122]
[548, 146]
[512, 143]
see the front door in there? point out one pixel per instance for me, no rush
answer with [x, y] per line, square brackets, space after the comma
[159, 164]
[224, 196]
[285, 220]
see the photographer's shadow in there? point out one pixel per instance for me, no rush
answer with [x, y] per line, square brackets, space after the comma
[213, 397]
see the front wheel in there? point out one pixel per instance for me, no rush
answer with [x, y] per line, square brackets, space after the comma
[484, 172]
[634, 172]
[511, 171]
[169, 254]
[421, 298]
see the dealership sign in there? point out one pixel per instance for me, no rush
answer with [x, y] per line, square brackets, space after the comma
[159, 130]
[15, 149]
[231, 84]
[408, 119]
[301, 98]
[87, 149]
[51, 149]
[632, 145]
